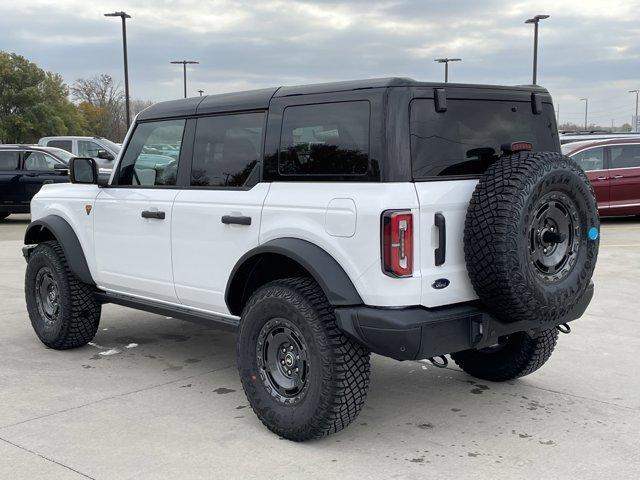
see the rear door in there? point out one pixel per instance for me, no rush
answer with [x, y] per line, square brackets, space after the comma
[10, 187]
[592, 161]
[217, 218]
[450, 149]
[624, 172]
[132, 223]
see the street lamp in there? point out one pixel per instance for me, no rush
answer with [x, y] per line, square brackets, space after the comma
[535, 20]
[184, 71]
[586, 110]
[200, 92]
[124, 16]
[446, 65]
[636, 125]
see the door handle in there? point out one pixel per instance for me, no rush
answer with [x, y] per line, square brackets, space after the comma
[154, 214]
[618, 176]
[441, 251]
[237, 220]
[601, 178]
[47, 182]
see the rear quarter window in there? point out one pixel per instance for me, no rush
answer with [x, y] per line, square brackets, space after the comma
[9, 160]
[465, 139]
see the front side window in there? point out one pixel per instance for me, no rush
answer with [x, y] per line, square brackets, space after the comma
[9, 160]
[227, 149]
[325, 139]
[625, 156]
[466, 138]
[87, 148]
[38, 161]
[141, 168]
[592, 159]
[63, 144]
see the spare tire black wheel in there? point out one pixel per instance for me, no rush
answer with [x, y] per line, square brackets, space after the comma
[531, 236]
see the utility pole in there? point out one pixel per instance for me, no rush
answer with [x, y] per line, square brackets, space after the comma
[586, 110]
[184, 71]
[535, 20]
[446, 65]
[124, 16]
[636, 124]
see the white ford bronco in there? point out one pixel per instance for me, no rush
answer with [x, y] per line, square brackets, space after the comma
[325, 222]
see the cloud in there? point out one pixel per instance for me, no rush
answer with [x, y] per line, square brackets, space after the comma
[586, 48]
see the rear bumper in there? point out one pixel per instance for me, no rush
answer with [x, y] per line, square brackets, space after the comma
[417, 332]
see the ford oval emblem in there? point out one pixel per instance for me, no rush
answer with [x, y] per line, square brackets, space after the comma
[440, 283]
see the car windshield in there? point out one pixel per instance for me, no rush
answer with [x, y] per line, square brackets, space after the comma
[468, 137]
[61, 154]
[112, 146]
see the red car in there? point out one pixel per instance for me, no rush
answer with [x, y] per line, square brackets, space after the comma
[613, 166]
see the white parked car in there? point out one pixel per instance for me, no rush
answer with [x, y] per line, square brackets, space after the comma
[325, 222]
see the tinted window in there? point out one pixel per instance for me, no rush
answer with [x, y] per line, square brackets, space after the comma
[63, 144]
[9, 160]
[141, 165]
[38, 161]
[87, 148]
[592, 159]
[325, 139]
[466, 139]
[625, 156]
[227, 149]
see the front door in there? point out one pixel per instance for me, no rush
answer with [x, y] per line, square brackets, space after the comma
[217, 218]
[132, 224]
[39, 168]
[624, 171]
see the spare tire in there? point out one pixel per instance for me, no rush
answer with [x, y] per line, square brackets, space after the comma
[531, 236]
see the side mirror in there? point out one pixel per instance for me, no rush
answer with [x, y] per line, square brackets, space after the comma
[83, 170]
[104, 155]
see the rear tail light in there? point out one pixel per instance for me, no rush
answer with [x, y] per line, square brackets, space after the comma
[397, 243]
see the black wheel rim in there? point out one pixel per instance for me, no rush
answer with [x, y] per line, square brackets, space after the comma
[554, 237]
[47, 296]
[283, 360]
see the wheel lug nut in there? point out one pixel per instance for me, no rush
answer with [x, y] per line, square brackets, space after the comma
[284, 350]
[291, 347]
[289, 372]
[297, 369]
[282, 362]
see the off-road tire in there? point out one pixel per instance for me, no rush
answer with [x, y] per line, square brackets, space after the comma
[499, 235]
[78, 314]
[520, 355]
[338, 377]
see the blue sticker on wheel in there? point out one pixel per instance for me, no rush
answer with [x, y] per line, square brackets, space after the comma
[593, 233]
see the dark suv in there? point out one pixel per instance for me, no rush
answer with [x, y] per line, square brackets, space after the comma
[23, 170]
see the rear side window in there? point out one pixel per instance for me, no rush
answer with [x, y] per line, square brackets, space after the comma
[466, 138]
[325, 139]
[625, 156]
[145, 166]
[227, 149]
[63, 144]
[9, 160]
[592, 159]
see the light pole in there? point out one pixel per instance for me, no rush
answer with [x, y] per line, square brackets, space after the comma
[184, 71]
[636, 126]
[446, 65]
[535, 20]
[124, 16]
[586, 110]
[200, 92]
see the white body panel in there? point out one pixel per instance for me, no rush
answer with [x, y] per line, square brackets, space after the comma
[451, 198]
[133, 254]
[204, 249]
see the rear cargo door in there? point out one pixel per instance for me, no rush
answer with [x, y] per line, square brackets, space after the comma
[450, 148]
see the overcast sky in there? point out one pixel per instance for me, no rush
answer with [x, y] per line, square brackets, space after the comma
[587, 48]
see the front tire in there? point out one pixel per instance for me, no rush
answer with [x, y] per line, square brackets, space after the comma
[515, 356]
[303, 377]
[64, 312]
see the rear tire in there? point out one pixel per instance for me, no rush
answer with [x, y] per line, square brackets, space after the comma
[64, 312]
[519, 355]
[302, 376]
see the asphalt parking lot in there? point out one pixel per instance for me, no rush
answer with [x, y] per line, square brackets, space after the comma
[155, 397]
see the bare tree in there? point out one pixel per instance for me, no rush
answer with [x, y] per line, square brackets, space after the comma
[106, 95]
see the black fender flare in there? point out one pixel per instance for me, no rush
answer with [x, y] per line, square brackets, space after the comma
[64, 234]
[331, 277]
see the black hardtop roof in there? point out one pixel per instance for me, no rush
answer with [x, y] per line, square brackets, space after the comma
[259, 99]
